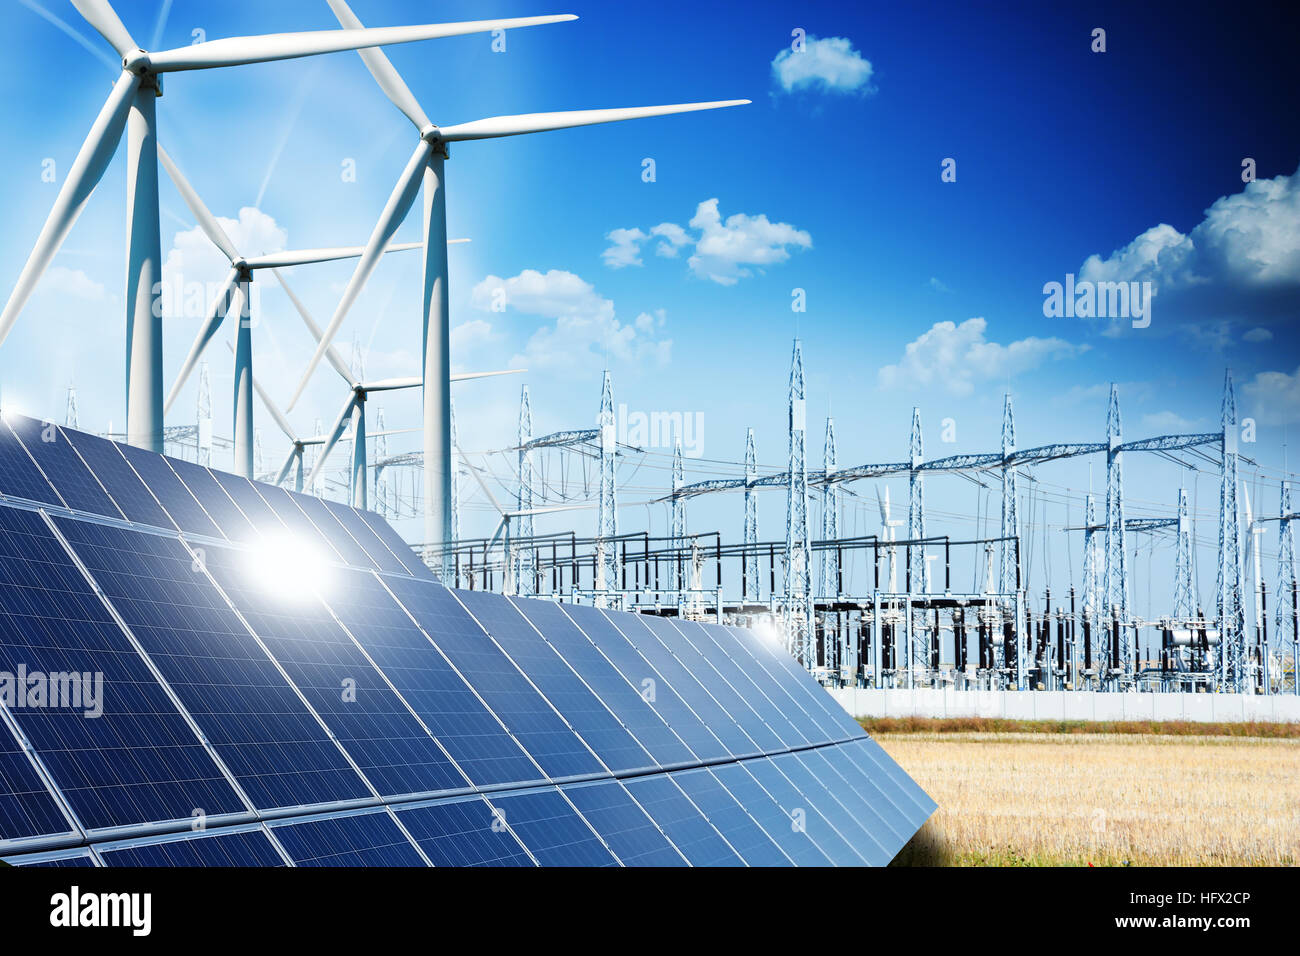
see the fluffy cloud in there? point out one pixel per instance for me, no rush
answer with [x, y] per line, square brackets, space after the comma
[585, 327]
[194, 268]
[956, 357]
[723, 250]
[1241, 261]
[72, 282]
[1274, 397]
[1168, 422]
[1258, 335]
[829, 65]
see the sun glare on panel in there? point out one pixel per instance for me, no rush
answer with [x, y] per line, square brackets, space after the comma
[288, 567]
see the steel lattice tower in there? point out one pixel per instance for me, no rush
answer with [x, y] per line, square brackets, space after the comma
[1285, 615]
[257, 452]
[830, 570]
[607, 562]
[1007, 574]
[916, 566]
[1229, 607]
[798, 553]
[677, 535]
[203, 437]
[1184, 606]
[751, 519]
[70, 412]
[379, 451]
[1114, 589]
[525, 569]
[1091, 560]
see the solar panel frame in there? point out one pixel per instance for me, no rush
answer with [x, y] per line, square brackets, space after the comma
[120, 480]
[20, 476]
[554, 832]
[749, 840]
[74, 858]
[624, 826]
[62, 466]
[174, 495]
[461, 833]
[218, 505]
[684, 823]
[229, 847]
[843, 817]
[372, 837]
[776, 823]
[824, 834]
[31, 811]
[397, 547]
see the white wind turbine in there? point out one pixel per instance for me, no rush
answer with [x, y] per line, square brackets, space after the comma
[233, 297]
[354, 409]
[889, 530]
[426, 166]
[131, 108]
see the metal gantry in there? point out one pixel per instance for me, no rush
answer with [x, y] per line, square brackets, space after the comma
[607, 558]
[1229, 604]
[525, 563]
[749, 568]
[798, 601]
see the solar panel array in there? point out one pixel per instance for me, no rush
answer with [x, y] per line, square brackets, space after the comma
[370, 716]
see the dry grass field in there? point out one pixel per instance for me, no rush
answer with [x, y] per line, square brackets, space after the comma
[1106, 799]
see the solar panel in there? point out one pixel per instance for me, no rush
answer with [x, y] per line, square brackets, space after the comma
[577, 705]
[463, 832]
[552, 830]
[356, 839]
[52, 624]
[363, 714]
[234, 847]
[253, 718]
[62, 466]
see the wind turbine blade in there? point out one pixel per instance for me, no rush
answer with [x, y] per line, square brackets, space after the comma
[86, 171]
[385, 74]
[216, 313]
[466, 376]
[340, 426]
[306, 257]
[399, 203]
[542, 122]
[331, 353]
[270, 405]
[236, 51]
[100, 15]
[884, 510]
[482, 484]
[389, 384]
[202, 215]
[288, 464]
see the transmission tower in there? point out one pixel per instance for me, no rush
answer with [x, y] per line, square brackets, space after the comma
[455, 476]
[1008, 576]
[70, 414]
[379, 451]
[607, 560]
[203, 435]
[751, 519]
[257, 452]
[677, 535]
[798, 553]
[1286, 614]
[1184, 605]
[918, 569]
[525, 583]
[1229, 607]
[1114, 591]
[830, 570]
[1091, 560]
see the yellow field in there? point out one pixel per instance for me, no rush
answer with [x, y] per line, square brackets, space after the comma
[1017, 799]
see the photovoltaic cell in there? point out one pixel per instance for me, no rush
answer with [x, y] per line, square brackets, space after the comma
[624, 826]
[186, 513]
[871, 758]
[820, 830]
[379, 551]
[139, 761]
[782, 828]
[219, 506]
[238, 848]
[257, 724]
[297, 522]
[558, 683]
[371, 723]
[657, 693]
[62, 465]
[399, 548]
[19, 476]
[27, 808]
[553, 832]
[675, 675]
[442, 700]
[537, 727]
[364, 839]
[857, 831]
[859, 794]
[729, 818]
[631, 709]
[244, 494]
[339, 538]
[119, 478]
[684, 824]
[461, 833]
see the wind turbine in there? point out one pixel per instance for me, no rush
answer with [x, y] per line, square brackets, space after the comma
[233, 297]
[426, 166]
[354, 408]
[889, 529]
[131, 107]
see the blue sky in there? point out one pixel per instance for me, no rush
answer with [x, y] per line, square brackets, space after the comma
[918, 291]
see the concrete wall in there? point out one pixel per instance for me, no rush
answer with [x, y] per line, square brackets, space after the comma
[1067, 705]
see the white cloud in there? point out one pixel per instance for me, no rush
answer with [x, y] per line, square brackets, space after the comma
[956, 357]
[723, 249]
[1258, 335]
[626, 250]
[72, 282]
[1274, 397]
[1242, 259]
[829, 65]
[938, 285]
[471, 335]
[195, 268]
[585, 329]
[1168, 422]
